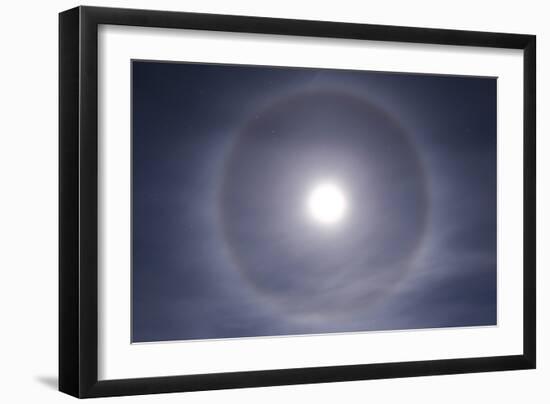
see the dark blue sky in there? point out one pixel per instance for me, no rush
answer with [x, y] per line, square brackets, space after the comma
[224, 157]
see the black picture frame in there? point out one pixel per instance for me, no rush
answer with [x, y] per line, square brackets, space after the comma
[78, 201]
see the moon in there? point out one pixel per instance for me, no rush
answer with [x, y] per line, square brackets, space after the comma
[327, 204]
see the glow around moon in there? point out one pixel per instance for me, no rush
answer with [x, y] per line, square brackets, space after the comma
[327, 204]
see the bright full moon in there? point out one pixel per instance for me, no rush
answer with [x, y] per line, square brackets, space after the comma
[327, 204]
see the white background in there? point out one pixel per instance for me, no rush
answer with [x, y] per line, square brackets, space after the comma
[28, 214]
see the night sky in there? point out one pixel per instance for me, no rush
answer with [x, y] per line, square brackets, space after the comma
[226, 158]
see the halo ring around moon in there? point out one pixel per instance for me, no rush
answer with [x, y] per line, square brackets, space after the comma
[273, 160]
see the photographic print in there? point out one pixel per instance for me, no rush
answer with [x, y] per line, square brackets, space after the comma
[275, 201]
[248, 201]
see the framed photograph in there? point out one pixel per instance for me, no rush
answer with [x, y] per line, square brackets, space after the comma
[251, 201]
